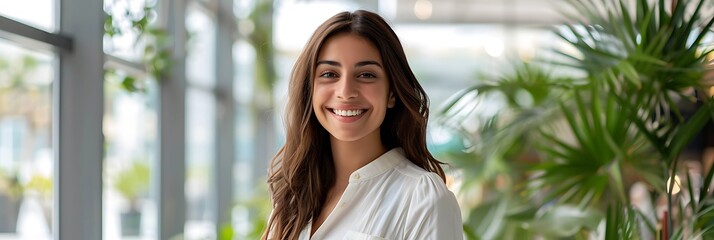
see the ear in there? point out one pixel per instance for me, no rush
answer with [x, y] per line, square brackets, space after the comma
[390, 102]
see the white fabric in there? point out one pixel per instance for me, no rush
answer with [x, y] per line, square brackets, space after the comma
[391, 198]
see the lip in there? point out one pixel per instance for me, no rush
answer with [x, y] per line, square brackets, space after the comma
[346, 119]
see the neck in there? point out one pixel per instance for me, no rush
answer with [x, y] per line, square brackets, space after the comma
[350, 156]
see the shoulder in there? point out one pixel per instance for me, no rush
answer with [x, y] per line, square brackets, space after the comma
[425, 187]
[433, 212]
[416, 184]
[429, 190]
[407, 168]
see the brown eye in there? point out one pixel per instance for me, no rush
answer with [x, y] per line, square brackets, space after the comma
[367, 75]
[328, 75]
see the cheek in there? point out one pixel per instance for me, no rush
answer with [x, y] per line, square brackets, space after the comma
[314, 98]
[379, 94]
[318, 97]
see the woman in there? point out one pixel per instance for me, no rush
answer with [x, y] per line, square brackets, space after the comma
[355, 163]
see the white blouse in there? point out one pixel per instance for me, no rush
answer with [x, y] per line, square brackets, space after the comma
[391, 198]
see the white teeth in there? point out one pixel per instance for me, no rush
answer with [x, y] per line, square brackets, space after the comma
[347, 113]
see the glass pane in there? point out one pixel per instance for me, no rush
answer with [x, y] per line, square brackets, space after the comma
[200, 157]
[200, 122]
[26, 151]
[122, 27]
[244, 79]
[253, 204]
[131, 140]
[36, 13]
[200, 62]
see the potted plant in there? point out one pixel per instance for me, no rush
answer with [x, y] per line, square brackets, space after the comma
[11, 195]
[563, 162]
[40, 186]
[133, 184]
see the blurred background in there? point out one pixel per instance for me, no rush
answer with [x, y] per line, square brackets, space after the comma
[169, 136]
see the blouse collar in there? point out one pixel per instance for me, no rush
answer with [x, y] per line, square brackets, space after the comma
[383, 163]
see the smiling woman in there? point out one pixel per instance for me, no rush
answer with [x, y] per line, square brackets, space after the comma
[351, 90]
[355, 163]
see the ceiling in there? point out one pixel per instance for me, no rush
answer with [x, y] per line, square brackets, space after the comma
[518, 12]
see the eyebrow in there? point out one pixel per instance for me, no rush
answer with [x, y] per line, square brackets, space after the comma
[359, 64]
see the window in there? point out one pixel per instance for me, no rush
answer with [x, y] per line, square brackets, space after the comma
[131, 122]
[200, 123]
[36, 13]
[131, 149]
[26, 159]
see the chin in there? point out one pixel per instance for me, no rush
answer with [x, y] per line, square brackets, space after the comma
[346, 137]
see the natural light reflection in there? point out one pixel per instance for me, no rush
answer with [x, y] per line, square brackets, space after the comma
[26, 155]
[130, 127]
[37, 13]
[200, 124]
[124, 44]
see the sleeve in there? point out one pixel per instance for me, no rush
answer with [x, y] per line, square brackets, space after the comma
[433, 211]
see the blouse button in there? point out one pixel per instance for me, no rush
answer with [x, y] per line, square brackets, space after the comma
[356, 176]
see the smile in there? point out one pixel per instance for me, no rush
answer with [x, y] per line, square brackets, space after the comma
[348, 113]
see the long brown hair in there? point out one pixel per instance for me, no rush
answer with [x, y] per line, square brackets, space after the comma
[302, 172]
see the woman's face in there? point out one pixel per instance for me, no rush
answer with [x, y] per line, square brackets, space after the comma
[351, 88]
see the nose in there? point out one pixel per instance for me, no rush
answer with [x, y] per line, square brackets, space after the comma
[346, 89]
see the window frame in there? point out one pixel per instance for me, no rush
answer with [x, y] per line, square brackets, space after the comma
[77, 114]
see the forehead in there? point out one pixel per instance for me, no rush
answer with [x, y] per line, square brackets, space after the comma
[347, 47]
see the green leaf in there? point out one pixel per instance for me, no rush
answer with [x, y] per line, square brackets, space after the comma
[226, 232]
[470, 234]
[566, 220]
[488, 219]
[129, 84]
[621, 222]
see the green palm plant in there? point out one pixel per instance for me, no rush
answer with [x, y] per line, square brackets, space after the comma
[647, 58]
[624, 120]
[500, 160]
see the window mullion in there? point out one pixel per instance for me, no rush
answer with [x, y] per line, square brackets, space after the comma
[77, 123]
[225, 114]
[172, 161]
[21, 33]
[131, 68]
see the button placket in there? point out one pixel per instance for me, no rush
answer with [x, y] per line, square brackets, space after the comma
[346, 197]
